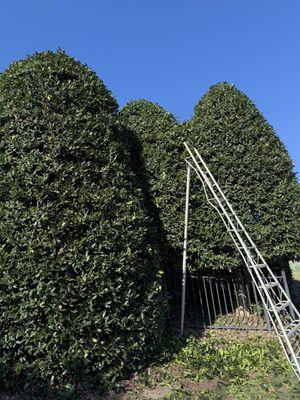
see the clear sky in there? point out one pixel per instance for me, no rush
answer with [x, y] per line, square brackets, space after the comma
[171, 51]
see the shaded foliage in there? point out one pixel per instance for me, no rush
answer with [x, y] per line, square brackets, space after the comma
[157, 153]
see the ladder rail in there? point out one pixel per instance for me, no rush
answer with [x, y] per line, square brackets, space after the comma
[206, 180]
[264, 287]
[236, 216]
[237, 233]
[239, 221]
[218, 210]
[224, 197]
[240, 239]
[228, 204]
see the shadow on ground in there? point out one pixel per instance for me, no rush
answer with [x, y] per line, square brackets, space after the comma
[170, 345]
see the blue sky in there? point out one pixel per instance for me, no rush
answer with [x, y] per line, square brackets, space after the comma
[171, 51]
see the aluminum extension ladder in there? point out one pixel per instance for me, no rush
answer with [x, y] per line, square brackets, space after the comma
[283, 314]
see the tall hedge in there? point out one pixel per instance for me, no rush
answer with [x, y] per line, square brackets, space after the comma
[158, 157]
[79, 272]
[256, 173]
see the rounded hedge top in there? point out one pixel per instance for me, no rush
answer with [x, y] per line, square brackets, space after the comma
[79, 271]
[255, 171]
[139, 114]
[63, 76]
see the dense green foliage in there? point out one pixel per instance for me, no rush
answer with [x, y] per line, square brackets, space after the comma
[212, 357]
[255, 172]
[157, 152]
[247, 158]
[79, 271]
[235, 366]
[227, 365]
[80, 294]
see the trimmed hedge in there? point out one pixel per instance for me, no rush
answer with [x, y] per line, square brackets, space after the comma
[247, 158]
[80, 294]
[158, 158]
[255, 172]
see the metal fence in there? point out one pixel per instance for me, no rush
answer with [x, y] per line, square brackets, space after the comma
[217, 303]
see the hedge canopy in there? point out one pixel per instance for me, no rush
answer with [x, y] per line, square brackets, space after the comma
[79, 268]
[255, 172]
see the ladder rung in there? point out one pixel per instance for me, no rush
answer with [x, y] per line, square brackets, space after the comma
[210, 182]
[237, 229]
[228, 214]
[247, 247]
[270, 285]
[281, 306]
[231, 214]
[293, 328]
[298, 359]
[215, 199]
[208, 175]
[297, 355]
[257, 266]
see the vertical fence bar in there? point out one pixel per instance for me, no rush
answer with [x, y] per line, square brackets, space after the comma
[237, 311]
[186, 219]
[268, 322]
[207, 303]
[197, 315]
[189, 311]
[248, 296]
[287, 289]
[251, 316]
[201, 303]
[212, 297]
[224, 297]
[218, 296]
[244, 306]
[267, 318]
[255, 298]
[225, 304]
[230, 297]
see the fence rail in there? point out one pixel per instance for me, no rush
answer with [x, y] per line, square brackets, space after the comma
[217, 303]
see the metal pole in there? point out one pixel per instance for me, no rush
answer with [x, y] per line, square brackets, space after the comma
[186, 219]
[269, 326]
